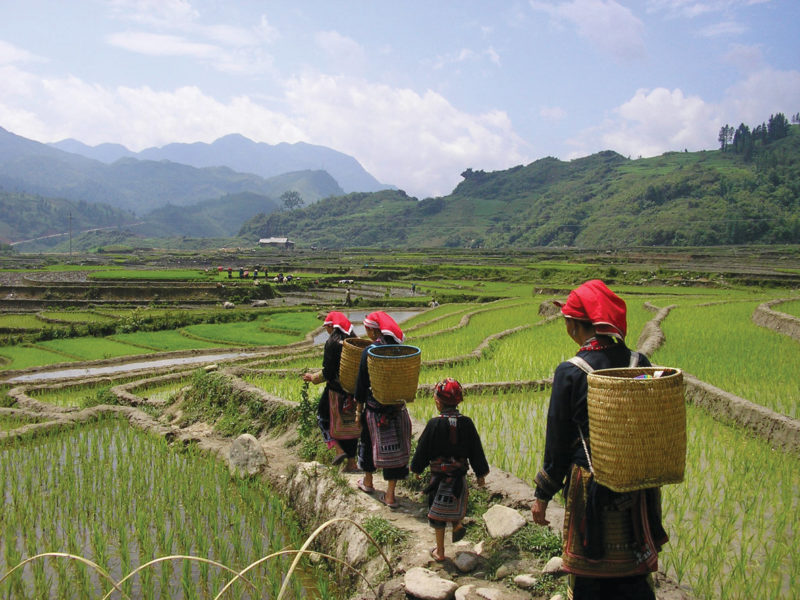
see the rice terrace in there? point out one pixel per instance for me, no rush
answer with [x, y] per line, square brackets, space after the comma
[130, 380]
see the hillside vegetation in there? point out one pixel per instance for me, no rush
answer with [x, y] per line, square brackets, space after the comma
[603, 200]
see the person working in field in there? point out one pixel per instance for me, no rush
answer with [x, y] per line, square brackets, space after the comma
[611, 540]
[386, 428]
[336, 410]
[450, 444]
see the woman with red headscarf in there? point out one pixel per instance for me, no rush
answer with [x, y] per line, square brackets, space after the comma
[450, 444]
[335, 403]
[386, 428]
[611, 540]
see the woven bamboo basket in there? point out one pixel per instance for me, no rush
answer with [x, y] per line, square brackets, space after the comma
[352, 349]
[394, 372]
[637, 427]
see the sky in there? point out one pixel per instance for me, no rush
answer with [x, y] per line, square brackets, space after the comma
[416, 91]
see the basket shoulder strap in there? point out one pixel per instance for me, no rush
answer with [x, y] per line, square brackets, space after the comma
[581, 364]
[586, 368]
[634, 359]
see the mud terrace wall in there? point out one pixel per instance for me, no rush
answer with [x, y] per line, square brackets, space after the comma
[777, 321]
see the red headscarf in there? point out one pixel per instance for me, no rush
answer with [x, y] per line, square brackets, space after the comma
[340, 322]
[449, 392]
[387, 325]
[594, 302]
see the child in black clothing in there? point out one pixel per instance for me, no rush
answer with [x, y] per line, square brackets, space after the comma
[450, 444]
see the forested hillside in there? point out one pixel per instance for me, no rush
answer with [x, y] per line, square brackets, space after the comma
[604, 200]
[25, 216]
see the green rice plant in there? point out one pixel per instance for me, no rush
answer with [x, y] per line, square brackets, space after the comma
[91, 348]
[790, 308]
[20, 321]
[78, 394]
[11, 422]
[119, 496]
[717, 343]
[435, 315]
[164, 341]
[734, 516]
[22, 357]
[76, 316]
[464, 340]
[300, 322]
[286, 386]
[155, 274]
[247, 333]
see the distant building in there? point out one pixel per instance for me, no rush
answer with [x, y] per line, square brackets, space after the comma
[277, 242]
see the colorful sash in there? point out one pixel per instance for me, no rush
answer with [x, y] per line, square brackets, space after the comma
[618, 531]
[447, 490]
[343, 424]
[390, 433]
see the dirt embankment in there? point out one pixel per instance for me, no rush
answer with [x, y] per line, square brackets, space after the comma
[777, 321]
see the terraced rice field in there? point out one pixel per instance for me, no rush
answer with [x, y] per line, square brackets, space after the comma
[733, 521]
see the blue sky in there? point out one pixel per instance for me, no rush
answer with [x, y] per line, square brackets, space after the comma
[416, 91]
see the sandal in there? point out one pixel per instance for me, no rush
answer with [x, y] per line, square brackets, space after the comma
[391, 505]
[458, 534]
[338, 459]
[365, 488]
[435, 556]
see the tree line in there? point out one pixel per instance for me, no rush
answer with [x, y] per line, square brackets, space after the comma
[743, 140]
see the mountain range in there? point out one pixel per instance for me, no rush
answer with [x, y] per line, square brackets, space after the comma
[244, 156]
[41, 185]
[718, 197]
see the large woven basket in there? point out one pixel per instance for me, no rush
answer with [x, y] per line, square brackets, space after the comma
[637, 427]
[393, 372]
[352, 349]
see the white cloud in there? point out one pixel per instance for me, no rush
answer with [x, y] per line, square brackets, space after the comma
[748, 58]
[653, 122]
[342, 50]
[660, 120]
[696, 8]
[9, 54]
[419, 142]
[761, 94]
[605, 23]
[444, 61]
[723, 28]
[135, 117]
[266, 32]
[552, 113]
[154, 12]
[494, 57]
[156, 44]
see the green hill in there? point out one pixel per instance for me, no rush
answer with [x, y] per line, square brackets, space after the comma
[603, 200]
[26, 216]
